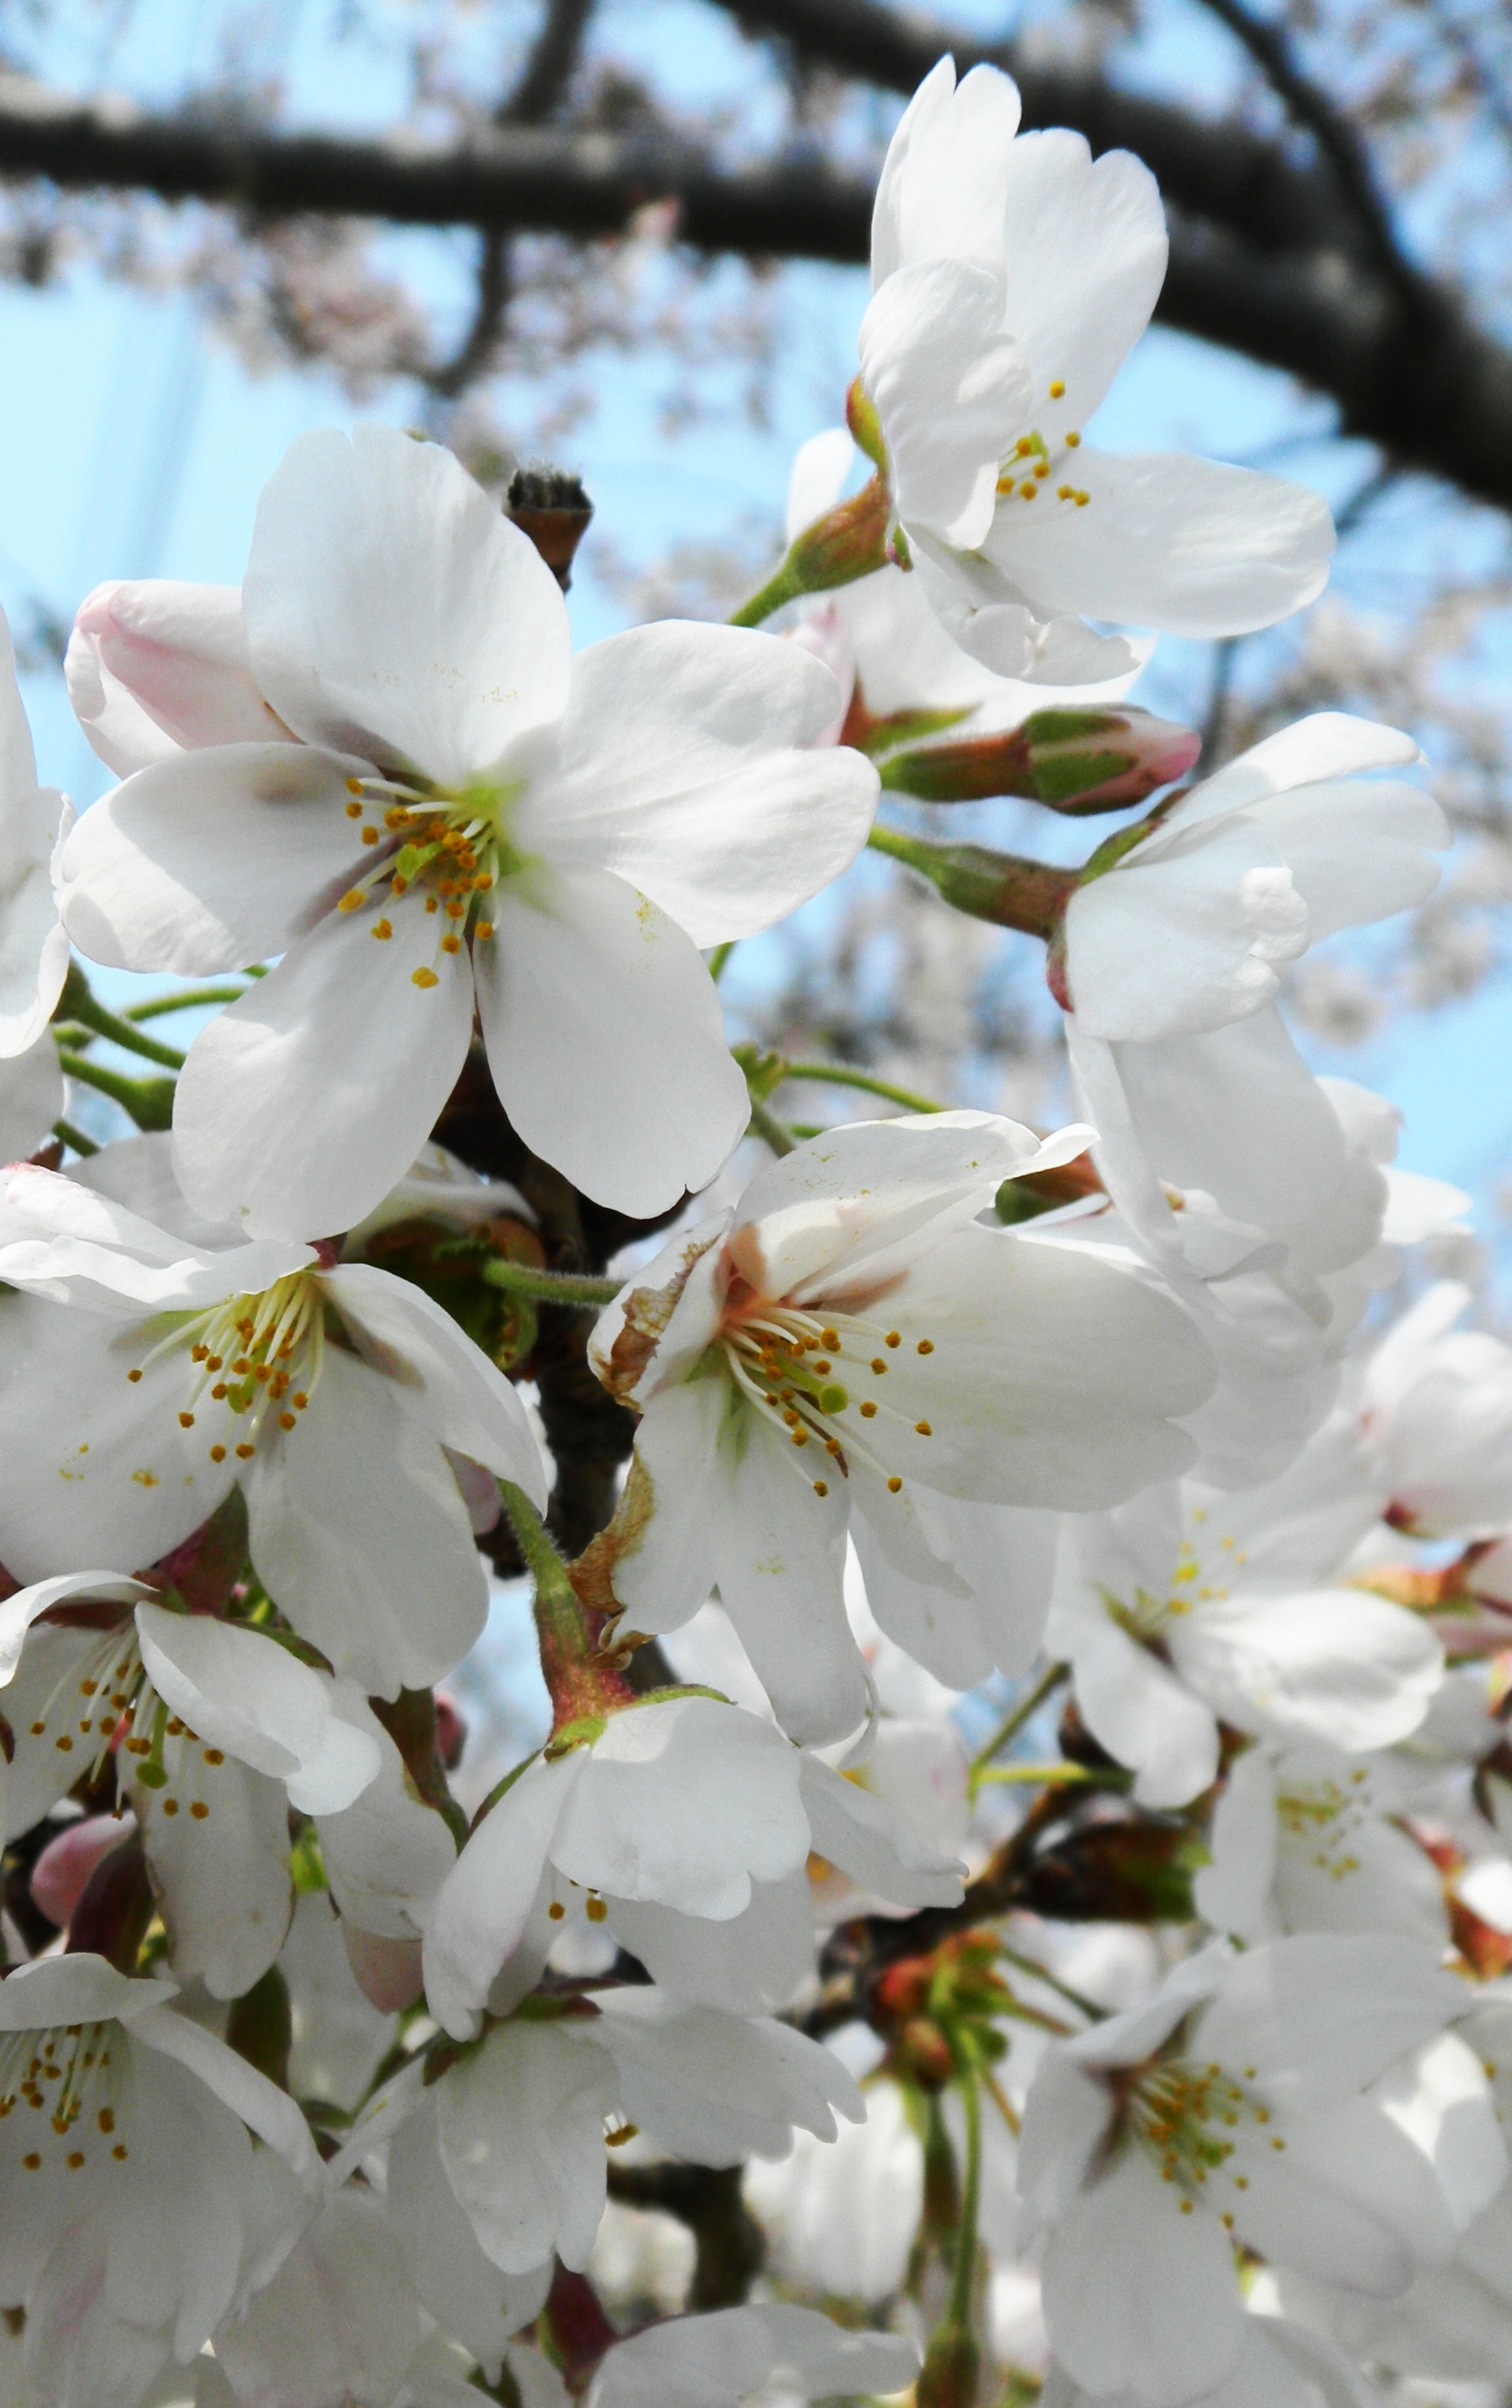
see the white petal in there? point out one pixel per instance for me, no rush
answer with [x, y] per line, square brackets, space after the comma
[179, 651]
[1048, 1378]
[780, 1557]
[718, 2088]
[1138, 2297]
[1333, 2011]
[607, 1042]
[1238, 1113]
[865, 1838]
[521, 2127]
[712, 2362]
[664, 1568]
[751, 1964]
[1356, 852]
[684, 1803]
[457, 2283]
[210, 859]
[1186, 940]
[300, 1106]
[1141, 1713]
[91, 1464]
[217, 1843]
[79, 1988]
[951, 389]
[77, 1245]
[1233, 1892]
[393, 611]
[1005, 1555]
[681, 770]
[246, 1694]
[1331, 1664]
[942, 188]
[482, 1907]
[1084, 261]
[1170, 541]
[358, 1532]
[269, 2111]
[30, 1099]
[19, 1612]
[1325, 745]
[851, 1208]
[437, 1373]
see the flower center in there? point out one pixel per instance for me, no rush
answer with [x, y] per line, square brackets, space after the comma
[451, 851]
[259, 1356]
[66, 2089]
[82, 1711]
[1033, 462]
[1198, 1579]
[1323, 1817]
[810, 1374]
[1188, 2119]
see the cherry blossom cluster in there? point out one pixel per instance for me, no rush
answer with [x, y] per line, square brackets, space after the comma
[1012, 1897]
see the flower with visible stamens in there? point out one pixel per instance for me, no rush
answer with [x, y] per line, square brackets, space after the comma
[1307, 2100]
[846, 1349]
[128, 2175]
[1011, 274]
[149, 1376]
[469, 818]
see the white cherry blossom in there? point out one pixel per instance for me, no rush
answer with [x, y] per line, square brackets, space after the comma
[471, 818]
[1011, 275]
[1305, 2099]
[1172, 1625]
[847, 1348]
[148, 1374]
[521, 2120]
[768, 2351]
[683, 1827]
[1171, 965]
[1305, 1838]
[135, 2213]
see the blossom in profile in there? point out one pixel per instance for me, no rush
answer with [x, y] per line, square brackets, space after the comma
[1011, 276]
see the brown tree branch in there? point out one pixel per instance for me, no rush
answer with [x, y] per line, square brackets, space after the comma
[1423, 382]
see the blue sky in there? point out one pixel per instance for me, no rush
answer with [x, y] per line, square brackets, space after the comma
[132, 442]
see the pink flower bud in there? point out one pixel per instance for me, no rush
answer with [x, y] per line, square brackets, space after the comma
[62, 1873]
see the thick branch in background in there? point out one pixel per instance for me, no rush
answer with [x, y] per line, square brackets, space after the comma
[1268, 255]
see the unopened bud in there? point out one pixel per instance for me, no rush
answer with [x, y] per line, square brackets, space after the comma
[1078, 762]
[63, 1871]
[387, 1971]
[553, 510]
[1004, 887]
[1114, 1872]
[864, 424]
[843, 543]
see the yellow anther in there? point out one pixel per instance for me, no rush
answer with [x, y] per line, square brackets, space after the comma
[353, 900]
[1023, 448]
[354, 811]
[1082, 500]
[877, 1365]
[1058, 390]
[894, 1485]
[484, 929]
[186, 1421]
[925, 1429]
[1028, 490]
[868, 1410]
[423, 978]
[1072, 440]
[893, 1338]
[245, 1450]
[199, 1810]
[556, 1911]
[925, 1346]
[820, 1489]
[133, 1376]
[370, 835]
[1041, 467]
[287, 1421]
[452, 944]
[382, 930]
[354, 785]
[595, 1908]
